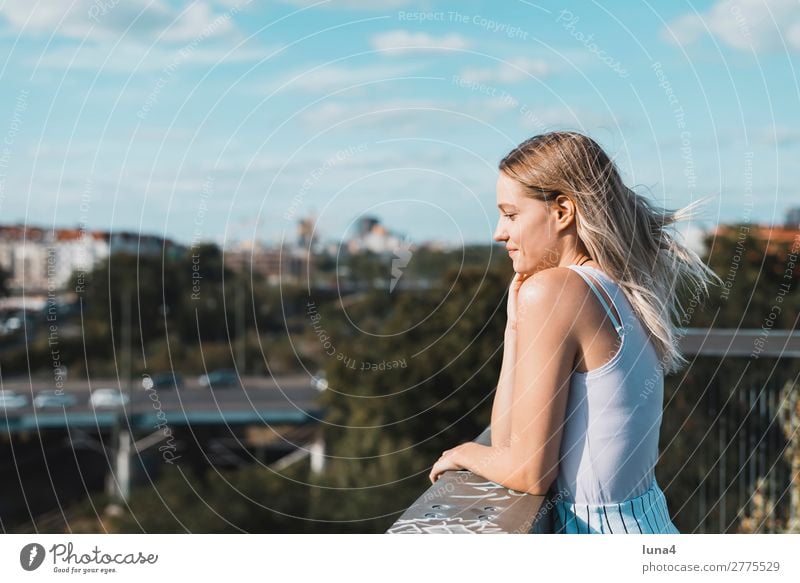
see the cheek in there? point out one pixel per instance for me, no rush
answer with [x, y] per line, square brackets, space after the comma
[531, 236]
[526, 233]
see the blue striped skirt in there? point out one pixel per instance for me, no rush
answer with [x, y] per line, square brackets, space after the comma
[645, 514]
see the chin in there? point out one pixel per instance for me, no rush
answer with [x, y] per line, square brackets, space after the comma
[527, 269]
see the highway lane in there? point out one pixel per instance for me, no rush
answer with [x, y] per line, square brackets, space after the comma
[289, 399]
[191, 383]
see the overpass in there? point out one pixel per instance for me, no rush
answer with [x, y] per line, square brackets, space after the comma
[280, 413]
[287, 400]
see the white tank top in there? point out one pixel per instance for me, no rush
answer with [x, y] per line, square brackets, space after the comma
[609, 445]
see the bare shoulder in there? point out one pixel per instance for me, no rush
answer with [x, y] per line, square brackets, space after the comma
[547, 305]
[555, 286]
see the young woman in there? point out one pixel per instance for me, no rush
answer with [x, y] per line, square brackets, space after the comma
[589, 338]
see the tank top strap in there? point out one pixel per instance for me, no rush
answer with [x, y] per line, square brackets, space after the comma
[612, 316]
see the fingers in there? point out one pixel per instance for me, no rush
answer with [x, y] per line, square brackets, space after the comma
[518, 279]
[522, 277]
[436, 470]
[434, 475]
[443, 464]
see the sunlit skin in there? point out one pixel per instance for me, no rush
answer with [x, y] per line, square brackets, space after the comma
[559, 328]
[537, 235]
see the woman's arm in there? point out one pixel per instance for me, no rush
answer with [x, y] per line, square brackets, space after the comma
[504, 393]
[545, 352]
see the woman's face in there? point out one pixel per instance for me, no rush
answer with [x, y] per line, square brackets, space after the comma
[526, 226]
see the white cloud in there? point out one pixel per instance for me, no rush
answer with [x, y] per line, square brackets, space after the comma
[199, 20]
[501, 104]
[371, 113]
[778, 135]
[107, 20]
[132, 57]
[334, 77]
[760, 25]
[684, 29]
[513, 71]
[397, 42]
[546, 118]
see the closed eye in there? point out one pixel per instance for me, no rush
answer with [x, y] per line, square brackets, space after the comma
[510, 216]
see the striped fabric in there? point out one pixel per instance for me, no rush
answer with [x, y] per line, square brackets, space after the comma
[645, 514]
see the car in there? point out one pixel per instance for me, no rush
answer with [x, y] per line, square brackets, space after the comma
[11, 400]
[163, 380]
[45, 399]
[105, 398]
[219, 379]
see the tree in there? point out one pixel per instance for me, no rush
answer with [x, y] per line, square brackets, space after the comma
[4, 277]
[386, 427]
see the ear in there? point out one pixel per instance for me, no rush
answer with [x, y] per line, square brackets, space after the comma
[565, 211]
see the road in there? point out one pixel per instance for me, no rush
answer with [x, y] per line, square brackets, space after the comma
[286, 399]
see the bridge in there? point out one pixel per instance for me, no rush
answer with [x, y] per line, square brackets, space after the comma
[287, 400]
[274, 420]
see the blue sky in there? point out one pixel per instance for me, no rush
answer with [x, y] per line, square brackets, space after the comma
[229, 120]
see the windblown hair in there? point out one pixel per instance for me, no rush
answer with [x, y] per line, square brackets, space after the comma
[623, 232]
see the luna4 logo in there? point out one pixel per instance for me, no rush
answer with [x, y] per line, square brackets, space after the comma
[31, 556]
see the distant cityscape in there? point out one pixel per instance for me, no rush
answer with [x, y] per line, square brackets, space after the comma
[39, 259]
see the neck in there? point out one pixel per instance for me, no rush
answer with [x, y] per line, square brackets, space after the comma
[575, 258]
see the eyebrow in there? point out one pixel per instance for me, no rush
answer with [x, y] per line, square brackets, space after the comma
[502, 204]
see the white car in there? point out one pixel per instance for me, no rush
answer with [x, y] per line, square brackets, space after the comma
[57, 399]
[108, 398]
[11, 400]
[319, 382]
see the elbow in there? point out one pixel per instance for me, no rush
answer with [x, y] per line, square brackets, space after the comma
[537, 487]
[532, 480]
[500, 442]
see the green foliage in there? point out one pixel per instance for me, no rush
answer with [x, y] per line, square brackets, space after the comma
[4, 277]
[754, 273]
[183, 310]
[386, 427]
[252, 499]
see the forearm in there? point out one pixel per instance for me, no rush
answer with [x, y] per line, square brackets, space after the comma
[504, 393]
[503, 466]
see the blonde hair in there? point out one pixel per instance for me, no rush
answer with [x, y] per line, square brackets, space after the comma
[622, 231]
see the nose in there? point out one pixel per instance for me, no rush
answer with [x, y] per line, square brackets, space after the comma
[499, 232]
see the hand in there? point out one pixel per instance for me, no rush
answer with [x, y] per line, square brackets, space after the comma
[445, 463]
[513, 293]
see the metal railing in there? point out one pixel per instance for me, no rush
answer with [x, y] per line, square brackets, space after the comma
[464, 502]
[748, 454]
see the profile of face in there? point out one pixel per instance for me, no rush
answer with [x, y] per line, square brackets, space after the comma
[528, 227]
